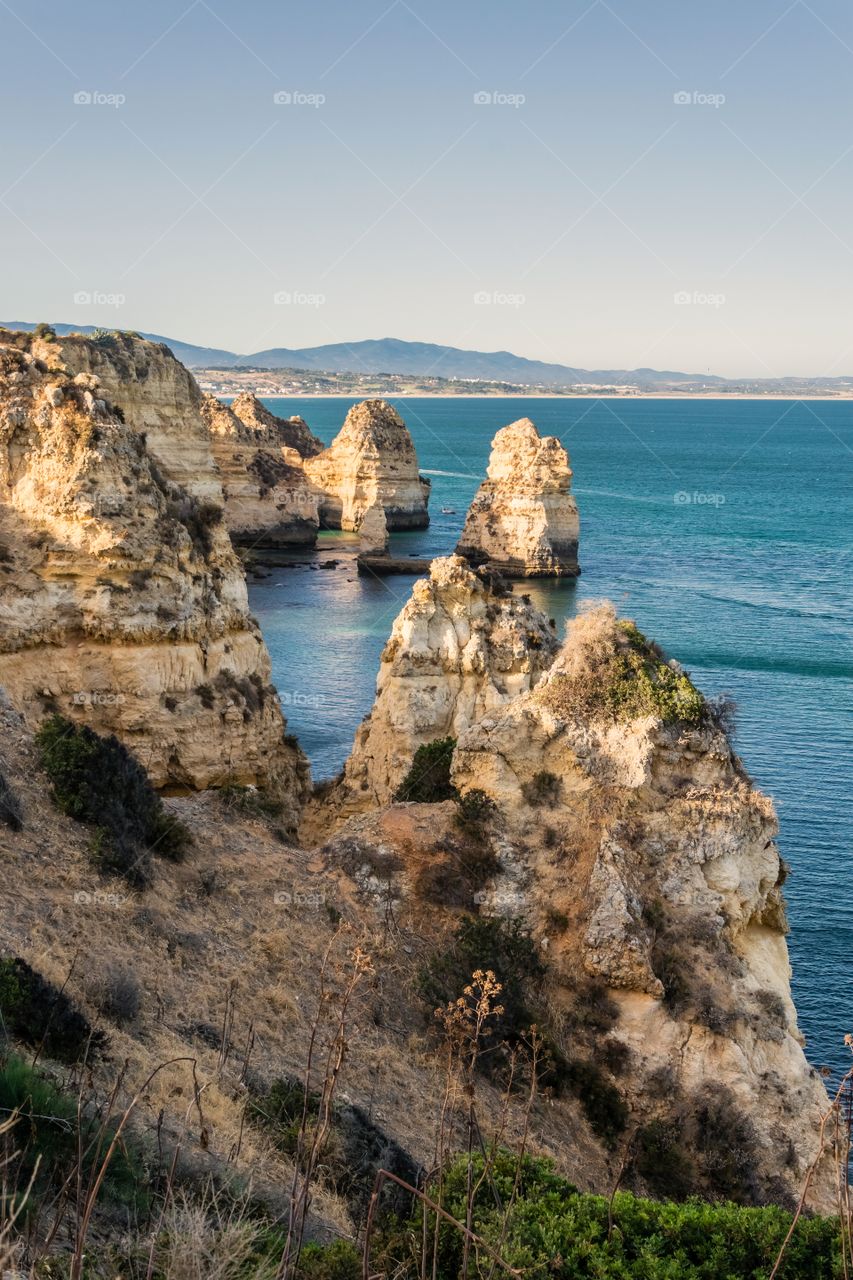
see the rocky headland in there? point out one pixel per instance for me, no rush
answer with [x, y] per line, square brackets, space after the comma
[569, 816]
[122, 602]
[523, 520]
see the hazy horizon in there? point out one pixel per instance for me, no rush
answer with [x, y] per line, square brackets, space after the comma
[580, 183]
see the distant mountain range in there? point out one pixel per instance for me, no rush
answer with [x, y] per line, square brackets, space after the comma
[426, 359]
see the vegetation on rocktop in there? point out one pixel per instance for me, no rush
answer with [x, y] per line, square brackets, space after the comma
[97, 780]
[428, 780]
[609, 668]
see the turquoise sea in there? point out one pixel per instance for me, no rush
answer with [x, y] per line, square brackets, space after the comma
[725, 529]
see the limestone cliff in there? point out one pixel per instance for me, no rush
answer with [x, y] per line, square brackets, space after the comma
[629, 843]
[122, 603]
[523, 519]
[269, 501]
[372, 459]
[643, 860]
[266, 428]
[458, 651]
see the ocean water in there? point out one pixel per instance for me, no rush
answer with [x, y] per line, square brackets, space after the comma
[725, 529]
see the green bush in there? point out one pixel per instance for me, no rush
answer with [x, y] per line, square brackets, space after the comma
[340, 1260]
[641, 682]
[556, 1233]
[41, 1014]
[97, 780]
[49, 1135]
[10, 808]
[474, 811]
[428, 780]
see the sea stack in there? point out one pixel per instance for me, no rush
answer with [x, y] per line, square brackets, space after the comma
[372, 459]
[523, 520]
[122, 602]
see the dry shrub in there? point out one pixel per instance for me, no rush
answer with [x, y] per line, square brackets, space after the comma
[212, 1238]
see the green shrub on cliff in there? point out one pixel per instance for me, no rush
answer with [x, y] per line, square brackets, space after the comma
[97, 780]
[428, 780]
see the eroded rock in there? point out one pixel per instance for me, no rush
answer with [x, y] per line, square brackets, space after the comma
[523, 520]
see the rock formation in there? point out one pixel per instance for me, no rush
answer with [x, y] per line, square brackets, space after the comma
[373, 532]
[643, 859]
[523, 520]
[266, 428]
[372, 459]
[122, 603]
[269, 501]
[457, 652]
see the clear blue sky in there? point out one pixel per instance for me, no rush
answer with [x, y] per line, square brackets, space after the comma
[387, 208]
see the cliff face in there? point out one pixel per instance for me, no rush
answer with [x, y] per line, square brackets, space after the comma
[265, 428]
[122, 603]
[630, 844]
[456, 653]
[371, 460]
[269, 501]
[523, 519]
[642, 858]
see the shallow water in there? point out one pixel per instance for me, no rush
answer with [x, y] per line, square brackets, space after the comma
[724, 529]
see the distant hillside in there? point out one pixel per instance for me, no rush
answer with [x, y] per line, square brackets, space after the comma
[391, 355]
[427, 359]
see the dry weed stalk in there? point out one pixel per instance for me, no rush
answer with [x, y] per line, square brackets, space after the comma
[466, 1023]
[311, 1136]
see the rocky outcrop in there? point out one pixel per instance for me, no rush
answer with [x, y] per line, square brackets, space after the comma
[266, 428]
[371, 460]
[269, 501]
[373, 532]
[643, 860]
[457, 652]
[122, 603]
[523, 520]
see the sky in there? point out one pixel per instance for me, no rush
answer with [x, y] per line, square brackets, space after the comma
[599, 183]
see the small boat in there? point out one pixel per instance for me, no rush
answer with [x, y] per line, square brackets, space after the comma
[448, 511]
